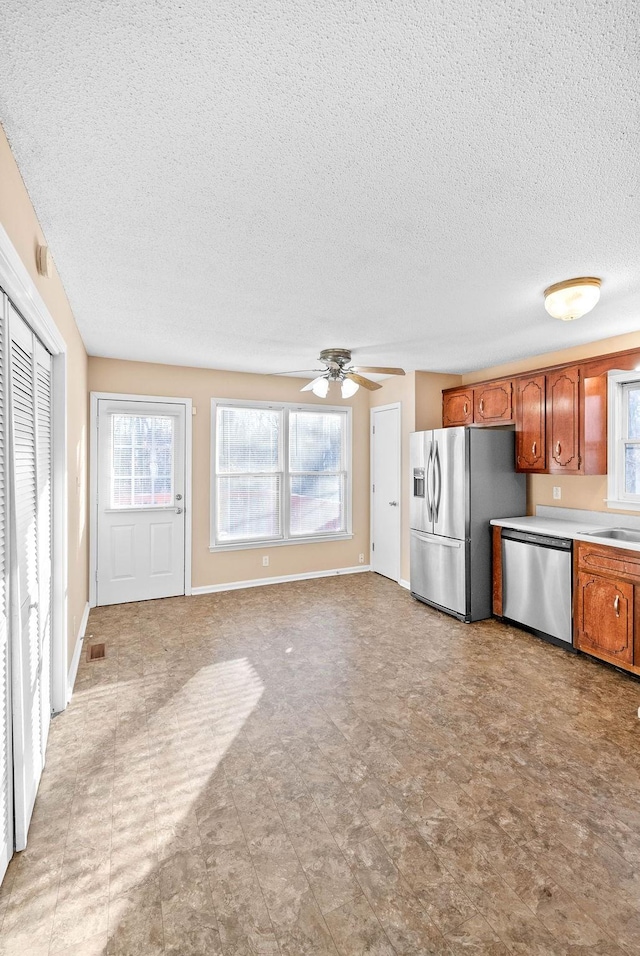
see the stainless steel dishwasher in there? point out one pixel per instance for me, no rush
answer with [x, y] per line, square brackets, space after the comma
[537, 583]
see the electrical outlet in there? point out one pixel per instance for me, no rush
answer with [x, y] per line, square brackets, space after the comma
[557, 492]
[361, 558]
[265, 560]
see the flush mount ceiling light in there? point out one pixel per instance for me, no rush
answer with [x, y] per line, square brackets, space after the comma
[572, 298]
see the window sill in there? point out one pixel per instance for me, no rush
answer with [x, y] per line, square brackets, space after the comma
[279, 542]
[622, 505]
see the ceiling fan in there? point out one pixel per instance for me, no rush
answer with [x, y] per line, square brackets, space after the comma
[339, 369]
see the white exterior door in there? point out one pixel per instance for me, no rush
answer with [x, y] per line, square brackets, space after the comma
[385, 496]
[140, 501]
[30, 446]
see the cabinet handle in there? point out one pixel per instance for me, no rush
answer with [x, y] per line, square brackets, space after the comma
[482, 405]
[533, 449]
[557, 448]
[465, 408]
[616, 605]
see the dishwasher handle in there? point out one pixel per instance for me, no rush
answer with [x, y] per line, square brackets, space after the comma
[538, 540]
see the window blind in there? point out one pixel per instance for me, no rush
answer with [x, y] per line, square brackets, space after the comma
[317, 472]
[280, 473]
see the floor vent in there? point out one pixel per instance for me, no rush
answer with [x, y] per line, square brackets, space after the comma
[96, 652]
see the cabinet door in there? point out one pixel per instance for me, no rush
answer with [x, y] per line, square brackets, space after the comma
[492, 403]
[530, 423]
[563, 421]
[604, 618]
[457, 407]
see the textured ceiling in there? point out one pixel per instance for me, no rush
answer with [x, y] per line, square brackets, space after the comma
[240, 184]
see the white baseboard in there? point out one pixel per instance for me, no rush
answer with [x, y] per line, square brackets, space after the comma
[404, 584]
[283, 579]
[75, 663]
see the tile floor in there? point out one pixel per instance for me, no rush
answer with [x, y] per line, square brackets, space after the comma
[330, 767]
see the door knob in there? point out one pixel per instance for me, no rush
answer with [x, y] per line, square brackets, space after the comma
[394, 504]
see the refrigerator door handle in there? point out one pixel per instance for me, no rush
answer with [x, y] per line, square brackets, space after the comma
[437, 539]
[439, 493]
[428, 491]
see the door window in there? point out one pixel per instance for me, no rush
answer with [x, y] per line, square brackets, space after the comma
[142, 461]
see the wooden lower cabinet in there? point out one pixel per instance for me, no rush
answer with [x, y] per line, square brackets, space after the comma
[607, 590]
[604, 618]
[496, 575]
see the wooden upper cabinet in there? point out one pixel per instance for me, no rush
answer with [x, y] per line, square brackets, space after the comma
[560, 416]
[492, 403]
[593, 424]
[457, 407]
[530, 423]
[563, 421]
[604, 618]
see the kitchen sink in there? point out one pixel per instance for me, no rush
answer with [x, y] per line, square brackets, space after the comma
[617, 534]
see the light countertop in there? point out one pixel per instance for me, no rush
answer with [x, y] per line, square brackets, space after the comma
[574, 524]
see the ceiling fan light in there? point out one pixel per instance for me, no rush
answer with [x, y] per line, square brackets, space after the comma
[349, 387]
[321, 387]
[572, 298]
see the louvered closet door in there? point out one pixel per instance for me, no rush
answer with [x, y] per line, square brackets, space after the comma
[43, 485]
[6, 768]
[31, 570]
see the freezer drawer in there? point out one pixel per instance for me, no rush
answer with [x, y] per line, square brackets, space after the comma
[438, 570]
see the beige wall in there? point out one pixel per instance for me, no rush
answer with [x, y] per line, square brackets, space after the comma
[617, 343]
[429, 386]
[201, 385]
[19, 219]
[586, 492]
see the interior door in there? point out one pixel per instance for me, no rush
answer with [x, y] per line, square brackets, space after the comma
[385, 459]
[140, 501]
[30, 436]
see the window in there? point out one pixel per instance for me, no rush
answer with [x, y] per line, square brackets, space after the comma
[280, 474]
[624, 440]
[142, 461]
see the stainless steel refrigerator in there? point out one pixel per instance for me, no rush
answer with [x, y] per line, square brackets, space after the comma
[461, 478]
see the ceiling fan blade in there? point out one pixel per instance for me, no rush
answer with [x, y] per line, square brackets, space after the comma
[309, 385]
[365, 382]
[379, 369]
[295, 371]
